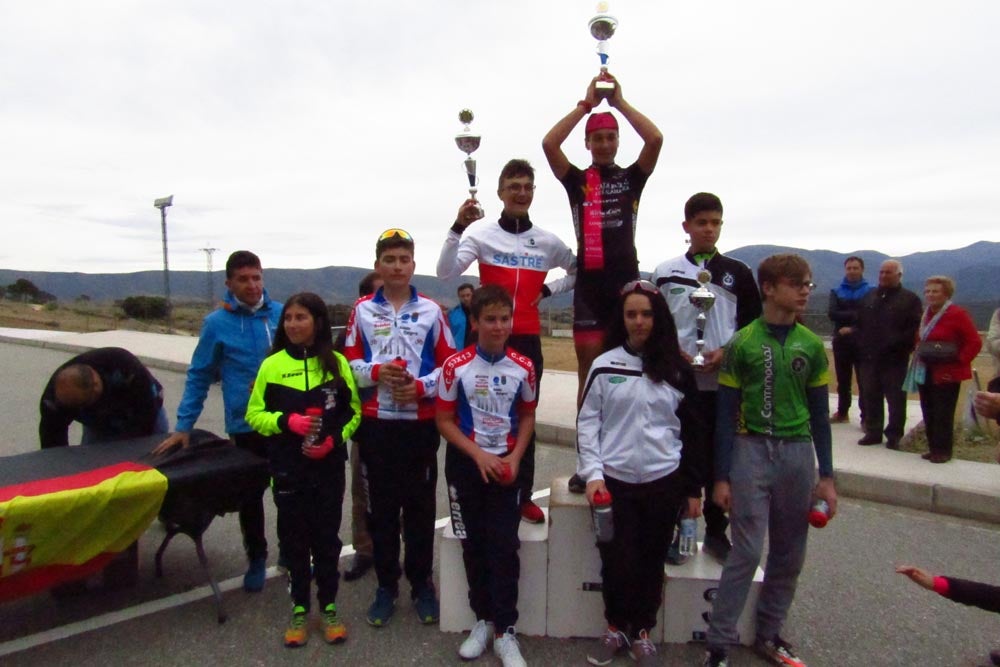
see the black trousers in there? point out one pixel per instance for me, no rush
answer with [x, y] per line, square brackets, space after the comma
[252, 511]
[308, 526]
[531, 347]
[632, 562]
[883, 379]
[399, 468]
[845, 362]
[938, 403]
[486, 518]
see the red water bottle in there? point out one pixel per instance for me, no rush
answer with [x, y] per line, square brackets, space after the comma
[604, 520]
[505, 474]
[819, 515]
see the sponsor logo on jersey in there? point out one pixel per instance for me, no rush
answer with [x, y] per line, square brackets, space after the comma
[728, 279]
[616, 379]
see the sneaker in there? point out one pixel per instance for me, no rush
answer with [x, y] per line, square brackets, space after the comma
[715, 659]
[507, 649]
[611, 643]
[297, 633]
[777, 651]
[870, 440]
[253, 580]
[717, 546]
[576, 484]
[839, 418]
[643, 650]
[382, 607]
[674, 555]
[477, 641]
[531, 512]
[334, 631]
[426, 604]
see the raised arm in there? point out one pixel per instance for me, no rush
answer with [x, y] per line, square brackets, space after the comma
[651, 136]
[553, 141]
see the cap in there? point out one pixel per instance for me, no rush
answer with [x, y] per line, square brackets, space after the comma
[601, 121]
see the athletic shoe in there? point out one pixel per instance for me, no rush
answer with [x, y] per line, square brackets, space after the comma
[715, 659]
[297, 633]
[717, 546]
[382, 607]
[426, 604]
[839, 418]
[939, 458]
[477, 641]
[576, 484]
[334, 631]
[643, 650]
[870, 440]
[506, 648]
[253, 580]
[532, 513]
[777, 651]
[611, 643]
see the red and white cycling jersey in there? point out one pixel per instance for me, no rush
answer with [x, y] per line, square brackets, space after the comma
[488, 394]
[417, 334]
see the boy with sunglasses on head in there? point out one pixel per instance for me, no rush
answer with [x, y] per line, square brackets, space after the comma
[516, 255]
[773, 384]
[737, 304]
[397, 340]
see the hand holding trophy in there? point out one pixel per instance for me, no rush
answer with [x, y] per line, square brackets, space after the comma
[602, 27]
[468, 142]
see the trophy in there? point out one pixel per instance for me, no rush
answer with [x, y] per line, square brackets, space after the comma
[602, 27]
[468, 142]
[703, 300]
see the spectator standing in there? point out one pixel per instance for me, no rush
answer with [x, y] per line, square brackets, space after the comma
[459, 318]
[843, 312]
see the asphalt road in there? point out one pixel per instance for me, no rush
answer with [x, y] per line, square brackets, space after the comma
[851, 609]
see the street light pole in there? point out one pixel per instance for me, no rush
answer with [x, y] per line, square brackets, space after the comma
[162, 204]
[208, 255]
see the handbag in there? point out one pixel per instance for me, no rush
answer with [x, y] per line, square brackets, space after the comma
[937, 351]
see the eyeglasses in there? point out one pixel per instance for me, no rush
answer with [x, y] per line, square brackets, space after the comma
[801, 284]
[518, 188]
[395, 232]
[639, 285]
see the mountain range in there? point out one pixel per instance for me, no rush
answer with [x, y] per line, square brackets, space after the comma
[974, 269]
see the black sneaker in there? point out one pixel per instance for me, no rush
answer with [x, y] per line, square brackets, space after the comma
[715, 659]
[777, 651]
[717, 546]
[576, 484]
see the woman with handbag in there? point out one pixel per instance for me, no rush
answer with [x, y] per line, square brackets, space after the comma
[947, 342]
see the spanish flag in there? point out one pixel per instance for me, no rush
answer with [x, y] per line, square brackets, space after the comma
[67, 527]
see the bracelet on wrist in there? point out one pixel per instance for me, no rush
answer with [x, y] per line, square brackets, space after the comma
[587, 106]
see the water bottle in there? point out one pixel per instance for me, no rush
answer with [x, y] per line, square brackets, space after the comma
[689, 536]
[819, 515]
[313, 436]
[604, 520]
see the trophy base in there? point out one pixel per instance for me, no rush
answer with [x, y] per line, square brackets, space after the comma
[604, 89]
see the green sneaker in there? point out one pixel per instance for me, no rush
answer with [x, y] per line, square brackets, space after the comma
[334, 631]
[297, 633]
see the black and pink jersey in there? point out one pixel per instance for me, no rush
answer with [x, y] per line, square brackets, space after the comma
[417, 334]
[488, 395]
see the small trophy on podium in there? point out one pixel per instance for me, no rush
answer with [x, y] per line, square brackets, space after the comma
[468, 142]
[702, 299]
[602, 27]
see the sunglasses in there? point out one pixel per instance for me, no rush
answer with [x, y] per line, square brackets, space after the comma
[639, 286]
[395, 232]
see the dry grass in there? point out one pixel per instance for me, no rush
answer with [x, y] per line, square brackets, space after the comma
[85, 317]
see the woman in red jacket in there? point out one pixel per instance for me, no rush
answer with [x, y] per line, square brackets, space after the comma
[939, 372]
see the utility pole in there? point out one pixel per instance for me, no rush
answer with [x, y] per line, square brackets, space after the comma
[209, 293]
[163, 203]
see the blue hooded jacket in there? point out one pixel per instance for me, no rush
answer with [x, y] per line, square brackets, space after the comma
[231, 346]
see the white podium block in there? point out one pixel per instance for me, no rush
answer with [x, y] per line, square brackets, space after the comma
[688, 592]
[576, 607]
[456, 616]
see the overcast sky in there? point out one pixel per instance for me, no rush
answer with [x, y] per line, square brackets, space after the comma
[302, 128]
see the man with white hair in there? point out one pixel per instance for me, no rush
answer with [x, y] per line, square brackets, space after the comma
[887, 331]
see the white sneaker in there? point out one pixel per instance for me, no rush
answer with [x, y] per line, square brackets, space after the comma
[477, 641]
[507, 649]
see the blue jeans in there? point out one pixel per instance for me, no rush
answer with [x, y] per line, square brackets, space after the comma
[772, 482]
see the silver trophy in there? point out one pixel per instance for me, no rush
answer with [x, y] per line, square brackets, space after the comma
[602, 27]
[702, 299]
[468, 142]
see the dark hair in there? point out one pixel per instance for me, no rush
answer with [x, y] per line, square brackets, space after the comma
[701, 202]
[322, 346]
[489, 295]
[661, 357]
[515, 169]
[240, 260]
[855, 258]
[788, 266]
[367, 284]
[465, 286]
[394, 241]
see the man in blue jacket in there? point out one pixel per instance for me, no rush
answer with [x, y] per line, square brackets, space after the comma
[459, 317]
[234, 340]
